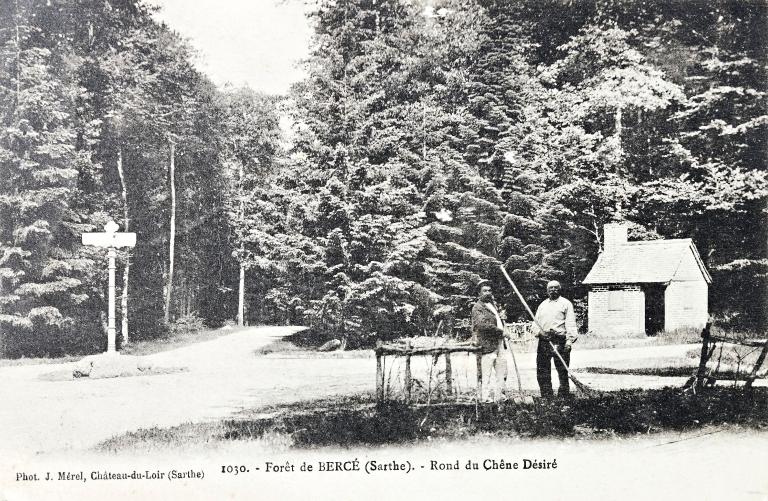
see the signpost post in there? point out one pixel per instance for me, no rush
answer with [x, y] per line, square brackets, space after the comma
[110, 239]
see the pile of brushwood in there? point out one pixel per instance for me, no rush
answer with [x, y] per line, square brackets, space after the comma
[357, 421]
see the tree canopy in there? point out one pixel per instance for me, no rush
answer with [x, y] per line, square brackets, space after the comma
[431, 143]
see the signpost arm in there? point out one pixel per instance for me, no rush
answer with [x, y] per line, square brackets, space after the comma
[111, 239]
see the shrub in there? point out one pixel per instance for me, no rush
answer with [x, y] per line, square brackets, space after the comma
[187, 324]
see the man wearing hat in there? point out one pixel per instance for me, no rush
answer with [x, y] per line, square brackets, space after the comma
[488, 332]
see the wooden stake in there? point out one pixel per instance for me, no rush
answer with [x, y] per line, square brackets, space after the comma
[759, 363]
[703, 358]
[448, 375]
[479, 358]
[379, 375]
[408, 378]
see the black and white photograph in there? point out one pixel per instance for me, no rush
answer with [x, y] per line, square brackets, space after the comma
[384, 249]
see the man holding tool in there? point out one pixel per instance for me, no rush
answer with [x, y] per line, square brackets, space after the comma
[555, 326]
[488, 332]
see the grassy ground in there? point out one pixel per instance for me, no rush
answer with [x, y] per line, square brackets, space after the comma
[66, 374]
[138, 348]
[284, 348]
[736, 362]
[294, 347]
[356, 421]
[679, 336]
[173, 341]
[14, 362]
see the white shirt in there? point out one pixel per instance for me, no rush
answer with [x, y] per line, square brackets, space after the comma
[557, 315]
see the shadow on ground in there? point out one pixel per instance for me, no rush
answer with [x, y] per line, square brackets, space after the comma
[356, 421]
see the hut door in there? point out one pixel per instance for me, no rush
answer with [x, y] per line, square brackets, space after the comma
[654, 309]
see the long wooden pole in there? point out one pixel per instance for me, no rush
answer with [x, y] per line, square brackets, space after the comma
[522, 299]
[517, 372]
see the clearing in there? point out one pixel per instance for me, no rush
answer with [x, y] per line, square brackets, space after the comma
[225, 376]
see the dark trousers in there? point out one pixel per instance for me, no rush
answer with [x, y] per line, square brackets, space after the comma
[544, 354]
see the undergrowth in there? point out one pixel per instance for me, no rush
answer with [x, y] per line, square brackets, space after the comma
[358, 421]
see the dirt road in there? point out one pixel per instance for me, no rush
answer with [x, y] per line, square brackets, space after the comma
[223, 377]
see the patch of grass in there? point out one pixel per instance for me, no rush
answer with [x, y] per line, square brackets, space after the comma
[66, 374]
[162, 439]
[684, 335]
[683, 363]
[678, 366]
[357, 421]
[642, 371]
[173, 341]
[678, 336]
[14, 362]
[281, 346]
[284, 348]
[137, 348]
[310, 339]
[730, 358]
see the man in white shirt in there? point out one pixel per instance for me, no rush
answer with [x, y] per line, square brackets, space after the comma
[558, 332]
[488, 332]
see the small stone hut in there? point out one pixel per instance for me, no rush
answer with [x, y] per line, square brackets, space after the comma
[646, 286]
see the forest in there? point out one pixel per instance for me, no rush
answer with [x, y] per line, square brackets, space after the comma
[430, 143]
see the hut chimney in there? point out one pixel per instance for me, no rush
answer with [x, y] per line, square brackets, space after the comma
[615, 234]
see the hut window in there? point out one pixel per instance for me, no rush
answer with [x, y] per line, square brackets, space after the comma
[615, 300]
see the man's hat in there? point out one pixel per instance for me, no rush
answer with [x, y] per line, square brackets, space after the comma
[481, 283]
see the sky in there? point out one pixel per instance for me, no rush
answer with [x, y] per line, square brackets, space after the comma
[253, 42]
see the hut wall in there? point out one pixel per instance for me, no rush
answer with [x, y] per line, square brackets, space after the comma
[616, 310]
[686, 304]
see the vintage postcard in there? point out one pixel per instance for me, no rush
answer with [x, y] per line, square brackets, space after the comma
[383, 249]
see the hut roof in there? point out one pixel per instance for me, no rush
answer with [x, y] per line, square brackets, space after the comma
[649, 261]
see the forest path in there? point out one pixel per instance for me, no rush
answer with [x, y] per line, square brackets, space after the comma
[223, 377]
[40, 415]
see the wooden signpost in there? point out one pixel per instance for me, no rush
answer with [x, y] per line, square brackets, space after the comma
[110, 239]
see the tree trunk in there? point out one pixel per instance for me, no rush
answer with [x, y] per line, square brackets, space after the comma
[241, 297]
[172, 244]
[241, 288]
[424, 131]
[127, 268]
[18, 56]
